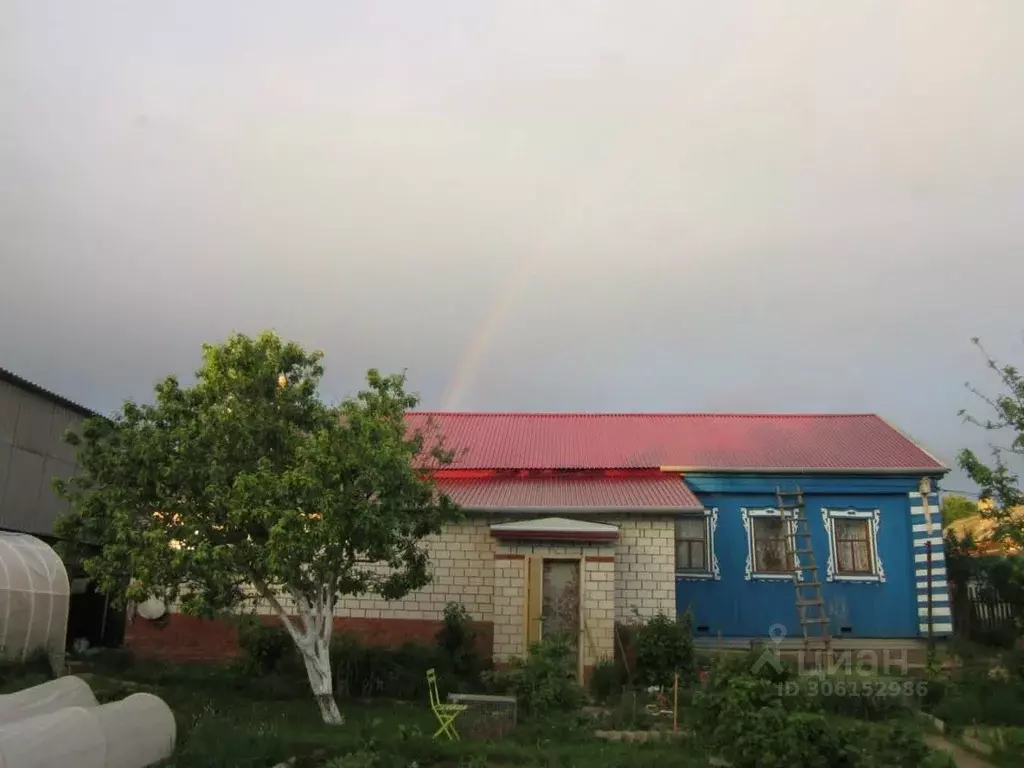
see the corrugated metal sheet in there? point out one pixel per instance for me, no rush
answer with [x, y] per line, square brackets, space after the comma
[567, 492]
[695, 441]
[13, 378]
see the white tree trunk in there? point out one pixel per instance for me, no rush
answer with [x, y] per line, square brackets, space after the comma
[312, 636]
[317, 657]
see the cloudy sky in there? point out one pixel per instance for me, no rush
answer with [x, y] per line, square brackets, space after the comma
[572, 205]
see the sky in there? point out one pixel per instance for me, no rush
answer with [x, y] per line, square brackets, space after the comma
[572, 206]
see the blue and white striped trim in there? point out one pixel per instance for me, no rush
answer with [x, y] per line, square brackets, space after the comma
[942, 617]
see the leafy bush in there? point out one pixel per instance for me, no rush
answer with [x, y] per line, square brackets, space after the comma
[969, 702]
[861, 697]
[629, 713]
[546, 681]
[664, 648]
[364, 671]
[368, 671]
[750, 664]
[772, 737]
[112, 660]
[264, 647]
[361, 759]
[32, 670]
[457, 640]
[607, 679]
[895, 745]
[1007, 744]
[986, 689]
[774, 718]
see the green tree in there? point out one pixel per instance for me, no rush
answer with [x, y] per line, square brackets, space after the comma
[998, 478]
[957, 508]
[246, 484]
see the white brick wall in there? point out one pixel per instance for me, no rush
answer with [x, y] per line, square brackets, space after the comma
[509, 609]
[645, 567]
[462, 564]
[599, 609]
[598, 592]
[490, 579]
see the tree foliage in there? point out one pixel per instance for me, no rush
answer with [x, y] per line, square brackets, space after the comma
[246, 480]
[999, 479]
[957, 508]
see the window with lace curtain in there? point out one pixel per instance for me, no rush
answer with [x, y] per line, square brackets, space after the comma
[853, 545]
[692, 554]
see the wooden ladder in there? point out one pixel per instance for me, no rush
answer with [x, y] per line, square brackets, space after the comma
[810, 605]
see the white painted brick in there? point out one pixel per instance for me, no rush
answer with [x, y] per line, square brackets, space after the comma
[463, 567]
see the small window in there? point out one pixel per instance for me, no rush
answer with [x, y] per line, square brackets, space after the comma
[692, 544]
[853, 546]
[771, 548]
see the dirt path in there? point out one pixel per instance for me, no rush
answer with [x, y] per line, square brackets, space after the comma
[961, 757]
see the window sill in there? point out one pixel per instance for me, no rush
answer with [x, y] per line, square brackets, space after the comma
[772, 576]
[857, 578]
[695, 575]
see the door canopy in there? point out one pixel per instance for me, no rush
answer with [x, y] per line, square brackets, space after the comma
[555, 529]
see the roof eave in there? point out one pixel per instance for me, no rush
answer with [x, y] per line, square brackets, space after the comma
[546, 535]
[28, 386]
[910, 440]
[912, 471]
[581, 510]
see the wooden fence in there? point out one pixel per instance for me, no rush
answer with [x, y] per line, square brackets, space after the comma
[982, 615]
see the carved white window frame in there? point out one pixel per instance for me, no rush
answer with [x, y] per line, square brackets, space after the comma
[710, 557]
[828, 518]
[749, 574]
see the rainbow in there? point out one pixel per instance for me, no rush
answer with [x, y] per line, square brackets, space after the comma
[605, 181]
[590, 194]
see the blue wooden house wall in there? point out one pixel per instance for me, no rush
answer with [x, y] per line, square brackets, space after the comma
[737, 605]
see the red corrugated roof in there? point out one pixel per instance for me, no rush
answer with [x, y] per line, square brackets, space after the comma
[695, 441]
[667, 492]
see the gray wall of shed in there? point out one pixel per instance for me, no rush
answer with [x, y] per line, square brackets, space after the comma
[32, 453]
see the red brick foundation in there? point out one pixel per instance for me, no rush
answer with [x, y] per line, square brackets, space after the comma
[185, 638]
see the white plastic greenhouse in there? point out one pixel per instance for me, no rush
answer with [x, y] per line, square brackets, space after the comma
[34, 599]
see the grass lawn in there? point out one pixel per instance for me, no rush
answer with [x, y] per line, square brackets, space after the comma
[224, 722]
[226, 718]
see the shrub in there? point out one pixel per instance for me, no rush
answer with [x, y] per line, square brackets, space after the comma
[750, 664]
[264, 647]
[772, 737]
[664, 648]
[981, 700]
[364, 671]
[546, 681]
[457, 640]
[34, 669]
[363, 758]
[112, 660]
[984, 690]
[607, 679]
[1008, 744]
[367, 671]
[864, 698]
[773, 717]
[890, 746]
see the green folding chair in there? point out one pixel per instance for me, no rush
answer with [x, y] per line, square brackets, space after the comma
[446, 713]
